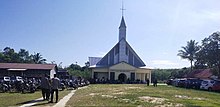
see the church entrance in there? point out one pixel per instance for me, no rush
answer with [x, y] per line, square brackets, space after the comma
[122, 77]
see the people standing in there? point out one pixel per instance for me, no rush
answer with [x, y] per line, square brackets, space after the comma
[45, 87]
[54, 85]
[155, 82]
[148, 82]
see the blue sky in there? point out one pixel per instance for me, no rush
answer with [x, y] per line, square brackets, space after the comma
[70, 31]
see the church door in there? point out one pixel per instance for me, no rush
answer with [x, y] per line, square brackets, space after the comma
[122, 77]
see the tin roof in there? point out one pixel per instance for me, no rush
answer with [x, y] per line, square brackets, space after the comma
[200, 73]
[26, 66]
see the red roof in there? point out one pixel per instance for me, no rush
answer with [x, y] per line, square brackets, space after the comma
[26, 66]
[200, 73]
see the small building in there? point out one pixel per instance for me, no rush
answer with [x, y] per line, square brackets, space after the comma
[27, 70]
[63, 74]
[121, 63]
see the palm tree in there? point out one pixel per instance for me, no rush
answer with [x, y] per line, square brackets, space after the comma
[38, 59]
[189, 51]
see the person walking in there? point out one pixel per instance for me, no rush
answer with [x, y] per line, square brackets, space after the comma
[45, 87]
[54, 85]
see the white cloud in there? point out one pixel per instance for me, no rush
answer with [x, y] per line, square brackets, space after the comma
[211, 15]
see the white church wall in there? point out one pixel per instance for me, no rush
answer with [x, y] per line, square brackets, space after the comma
[117, 73]
[103, 75]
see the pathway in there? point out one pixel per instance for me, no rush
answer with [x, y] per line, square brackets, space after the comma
[61, 103]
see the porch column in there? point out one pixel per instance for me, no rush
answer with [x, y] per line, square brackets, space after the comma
[92, 74]
[150, 76]
[108, 74]
[144, 77]
[135, 77]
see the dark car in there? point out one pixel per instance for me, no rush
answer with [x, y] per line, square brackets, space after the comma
[193, 83]
[182, 83]
[169, 82]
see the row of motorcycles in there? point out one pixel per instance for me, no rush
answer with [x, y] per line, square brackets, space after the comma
[31, 85]
[73, 83]
[23, 86]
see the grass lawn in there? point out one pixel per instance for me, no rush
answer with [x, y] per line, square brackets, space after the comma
[142, 95]
[17, 99]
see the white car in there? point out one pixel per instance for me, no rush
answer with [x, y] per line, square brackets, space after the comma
[206, 84]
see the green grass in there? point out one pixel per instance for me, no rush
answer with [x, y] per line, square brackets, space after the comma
[142, 95]
[17, 99]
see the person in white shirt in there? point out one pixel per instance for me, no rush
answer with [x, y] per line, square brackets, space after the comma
[54, 85]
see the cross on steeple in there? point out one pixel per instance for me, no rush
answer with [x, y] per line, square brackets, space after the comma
[122, 9]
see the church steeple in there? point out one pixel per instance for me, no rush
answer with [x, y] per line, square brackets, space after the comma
[122, 23]
[122, 29]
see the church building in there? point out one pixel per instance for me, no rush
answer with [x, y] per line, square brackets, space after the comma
[121, 63]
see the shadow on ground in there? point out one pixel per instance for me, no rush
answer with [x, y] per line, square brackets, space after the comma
[31, 101]
[41, 104]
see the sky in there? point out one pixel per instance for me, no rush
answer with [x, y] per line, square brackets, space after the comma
[70, 31]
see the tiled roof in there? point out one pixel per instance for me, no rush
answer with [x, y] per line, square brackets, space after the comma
[200, 73]
[206, 73]
[26, 66]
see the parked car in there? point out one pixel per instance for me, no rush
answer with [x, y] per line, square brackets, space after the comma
[209, 85]
[193, 83]
[169, 82]
[182, 82]
[175, 82]
[216, 86]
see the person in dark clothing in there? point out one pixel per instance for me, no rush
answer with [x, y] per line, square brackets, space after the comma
[148, 82]
[45, 86]
[155, 82]
[54, 85]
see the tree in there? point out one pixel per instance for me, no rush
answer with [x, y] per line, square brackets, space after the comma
[189, 51]
[75, 67]
[38, 59]
[209, 55]
[78, 71]
[1, 57]
[10, 56]
[24, 56]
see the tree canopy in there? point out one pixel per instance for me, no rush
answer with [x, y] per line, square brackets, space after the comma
[9, 55]
[206, 55]
[189, 51]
